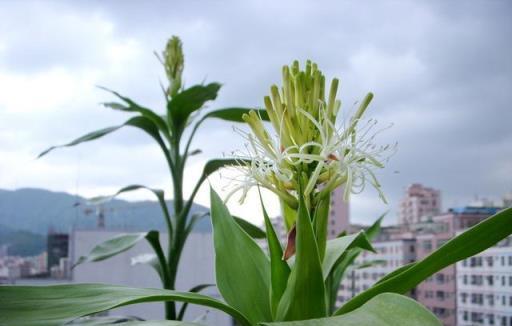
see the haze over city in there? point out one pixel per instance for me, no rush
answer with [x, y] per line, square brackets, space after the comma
[441, 73]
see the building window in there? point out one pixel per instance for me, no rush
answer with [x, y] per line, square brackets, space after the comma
[477, 317]
[477, 298]
[490, 299]
[510, 262]
[464, 297]
[502, 260]
[490, 261]
[503, 281]
[475, 261]
[465, 315]
[490, 280]
[427, 245]
[490, 318]
[465, 279]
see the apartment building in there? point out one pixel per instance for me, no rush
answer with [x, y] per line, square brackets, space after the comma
[418, 202]
[438, 293]
[484, 287]
[390, 254]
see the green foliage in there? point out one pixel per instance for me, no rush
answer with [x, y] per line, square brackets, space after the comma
[240, 265]
[383, 310]
[304, 296]
[112, 247]
[167, 131]
[280, 271]
[59, 304]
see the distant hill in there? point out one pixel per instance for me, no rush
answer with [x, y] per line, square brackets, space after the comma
[39, 210]
[22, 243]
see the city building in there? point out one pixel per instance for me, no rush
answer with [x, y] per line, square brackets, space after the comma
[417, 203]
[438, 292]
[57, 248]
[390, 254]
[339, 214]
[484, 287]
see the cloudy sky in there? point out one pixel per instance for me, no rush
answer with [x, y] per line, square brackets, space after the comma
[441, 73]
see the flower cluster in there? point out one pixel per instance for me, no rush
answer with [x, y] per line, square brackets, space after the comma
[307, 150]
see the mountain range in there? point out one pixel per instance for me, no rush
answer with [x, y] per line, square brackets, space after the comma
[39, 211]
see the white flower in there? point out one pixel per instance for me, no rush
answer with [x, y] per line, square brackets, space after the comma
[307, 152]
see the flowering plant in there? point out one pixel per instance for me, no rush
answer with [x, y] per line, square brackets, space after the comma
[302, 163]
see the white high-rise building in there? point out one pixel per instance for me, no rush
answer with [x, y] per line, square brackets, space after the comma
[484, 287]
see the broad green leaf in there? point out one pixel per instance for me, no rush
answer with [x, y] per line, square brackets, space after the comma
[251, 229]
[289, 214]
[148, 259]
[304, 297]
[476, 239]
[186, 102]
[58, 304]
[235, 114]
[320, 219]
[394, 273]
[368, 264]
[242, 269]
[139, 122]
[213, 165]
[387, 309]
[195, 289]
[337, 249]
[160, 195]
[112, 247]
[127, 321]
[279, 269]
[134, 107]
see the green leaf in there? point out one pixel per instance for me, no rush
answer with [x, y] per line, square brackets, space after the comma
[394, 273]
[195, 289]
[127, 321]
[320, 219]
[337, 249]
[279, 269]
[112, 247]
[58, 304]
[289, 214]
[148, 259]
[476, 239]
[251, 229]
[235, 114]
[242, 269]
[368, 264]
[304, 297]
[139, 122]
[134, 107]
[183, 104]
[386, 309]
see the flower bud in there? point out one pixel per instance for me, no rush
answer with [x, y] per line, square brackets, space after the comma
[174, 64]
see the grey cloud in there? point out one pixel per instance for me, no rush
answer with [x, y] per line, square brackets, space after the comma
[441, 72]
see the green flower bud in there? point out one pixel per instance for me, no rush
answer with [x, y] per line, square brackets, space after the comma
[174, 64]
